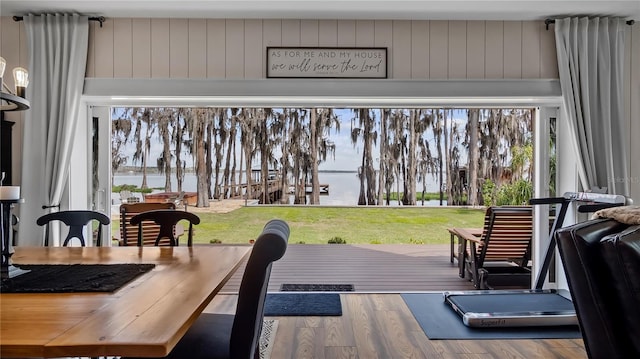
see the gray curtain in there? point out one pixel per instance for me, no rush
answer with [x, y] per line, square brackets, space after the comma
[591, 63]
[57, 46]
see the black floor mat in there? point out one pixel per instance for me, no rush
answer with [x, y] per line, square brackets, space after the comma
[317, 288]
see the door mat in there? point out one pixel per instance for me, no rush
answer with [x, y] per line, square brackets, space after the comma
[302, 304]
[439, 321]
[317, 288]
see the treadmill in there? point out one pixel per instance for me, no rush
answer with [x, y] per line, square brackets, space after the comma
[533, 307]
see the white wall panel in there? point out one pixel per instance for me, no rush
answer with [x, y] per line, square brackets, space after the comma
[512, 49]
[91, 51]
[365, 33]
[346, 33]
[178, 48]
[420, 49]
[531, 49]
[123, 52]
[253, 49]
[160, 64]
[103, 61]
[328, 33]
[548, 59]
[290, 32]
[216, 48]
[309, 33]
[438, 49]
[234, 45]
[494, 52]
[417, 49]
[141, 48]
[401, 54]
[457, 50]
[476, 49]
[197, 52]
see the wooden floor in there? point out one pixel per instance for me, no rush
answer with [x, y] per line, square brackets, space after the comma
[376, 323]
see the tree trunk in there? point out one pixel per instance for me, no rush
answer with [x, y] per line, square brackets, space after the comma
[315, 182]
[369, 169]
[209, 147]
[382, 160]
[412, 165]
[441, 161]
[201, 166]
[447, 157]
[228, 177]
[473, 194]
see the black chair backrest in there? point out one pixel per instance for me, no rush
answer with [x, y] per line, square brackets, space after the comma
[601, 259]
[247, 325]
[167, 220]
[76, 220]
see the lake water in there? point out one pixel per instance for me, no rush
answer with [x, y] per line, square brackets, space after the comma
[344, 187]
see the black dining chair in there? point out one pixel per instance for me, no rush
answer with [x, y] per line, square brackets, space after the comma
[226, 336]
[167, 220]
[76, 220]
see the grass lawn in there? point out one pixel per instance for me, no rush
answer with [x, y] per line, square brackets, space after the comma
[316, 225]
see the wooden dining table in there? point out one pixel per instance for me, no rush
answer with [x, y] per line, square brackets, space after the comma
[146, 317]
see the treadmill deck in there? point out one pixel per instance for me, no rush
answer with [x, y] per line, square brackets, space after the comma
[512, 308]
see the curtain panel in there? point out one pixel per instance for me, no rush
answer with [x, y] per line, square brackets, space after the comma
[590, 54]
[57, 46]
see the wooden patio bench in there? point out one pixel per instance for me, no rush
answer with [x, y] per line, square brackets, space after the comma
[128, 235]
[499, 254]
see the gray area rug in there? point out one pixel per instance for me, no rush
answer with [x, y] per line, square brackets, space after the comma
[439, 321]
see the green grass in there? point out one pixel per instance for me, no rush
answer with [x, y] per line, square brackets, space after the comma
[317, 225]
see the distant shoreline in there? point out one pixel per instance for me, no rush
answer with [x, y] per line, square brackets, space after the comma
[154, 171]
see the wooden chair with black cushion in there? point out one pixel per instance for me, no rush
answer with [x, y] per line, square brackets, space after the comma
[166, 219]
[226, 336]
[76, 220]
[129, 232]
[500, 256]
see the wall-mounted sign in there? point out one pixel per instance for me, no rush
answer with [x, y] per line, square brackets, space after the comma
[326, 62]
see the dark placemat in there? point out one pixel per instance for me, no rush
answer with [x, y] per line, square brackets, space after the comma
[316, 288]
[302, 304]
[55, 278]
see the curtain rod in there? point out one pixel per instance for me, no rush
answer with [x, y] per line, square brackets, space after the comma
[547, 22]
[99, 19]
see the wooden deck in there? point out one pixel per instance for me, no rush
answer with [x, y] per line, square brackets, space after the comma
[371, 268]
[376, 323]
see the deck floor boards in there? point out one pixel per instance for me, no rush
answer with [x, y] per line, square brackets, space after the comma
[369, 267]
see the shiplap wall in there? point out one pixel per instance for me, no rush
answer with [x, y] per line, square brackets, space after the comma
[235, 48]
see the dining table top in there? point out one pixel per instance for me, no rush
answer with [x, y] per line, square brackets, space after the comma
[146, 317]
